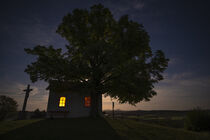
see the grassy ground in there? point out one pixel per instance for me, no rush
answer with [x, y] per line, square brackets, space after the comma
[6, 126]
[135, 130]
[98, 129]
[59, 129]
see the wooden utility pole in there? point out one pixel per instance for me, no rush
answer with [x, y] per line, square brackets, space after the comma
[113, 110]
[27, 91]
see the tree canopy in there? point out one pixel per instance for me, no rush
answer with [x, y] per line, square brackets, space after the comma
[104, 56]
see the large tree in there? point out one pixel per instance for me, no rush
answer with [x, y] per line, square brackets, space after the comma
[7, 105]
[104, 56]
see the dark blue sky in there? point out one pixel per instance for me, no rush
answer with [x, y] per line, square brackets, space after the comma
[181, 28]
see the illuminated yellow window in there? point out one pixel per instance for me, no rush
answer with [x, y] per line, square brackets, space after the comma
[87, 101]
[62, 102]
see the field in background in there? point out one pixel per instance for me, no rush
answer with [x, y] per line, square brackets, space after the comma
[174, 119]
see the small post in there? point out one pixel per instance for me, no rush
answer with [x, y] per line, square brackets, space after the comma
[27, 91]
[113, 110]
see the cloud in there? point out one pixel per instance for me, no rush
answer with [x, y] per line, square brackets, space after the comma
[37, 32]
[186, 89]
[174, 61]
[22, 87]
[122, 7]
[186, 79]
[29, 32]
[11, 88]
[180, 91]
[37, 98]
[138, 5]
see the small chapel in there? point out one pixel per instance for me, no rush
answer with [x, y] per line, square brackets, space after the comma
[64, 102]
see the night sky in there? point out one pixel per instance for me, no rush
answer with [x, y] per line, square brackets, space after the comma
[181, 28]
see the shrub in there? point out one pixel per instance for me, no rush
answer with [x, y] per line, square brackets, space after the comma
[197, 120]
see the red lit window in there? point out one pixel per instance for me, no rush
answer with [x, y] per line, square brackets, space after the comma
[87, 101]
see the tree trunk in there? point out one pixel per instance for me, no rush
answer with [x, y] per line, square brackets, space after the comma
[95, 112]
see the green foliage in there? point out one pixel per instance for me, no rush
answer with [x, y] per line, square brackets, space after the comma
[104, 56]
[197, 120]
[7, 105]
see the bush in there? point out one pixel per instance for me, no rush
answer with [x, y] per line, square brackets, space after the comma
[197, 120]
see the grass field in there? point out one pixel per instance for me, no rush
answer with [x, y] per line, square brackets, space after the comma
[98, 129]
[163, 120]
[136, 130]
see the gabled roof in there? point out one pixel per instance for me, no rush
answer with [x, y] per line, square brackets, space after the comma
[79, 87]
